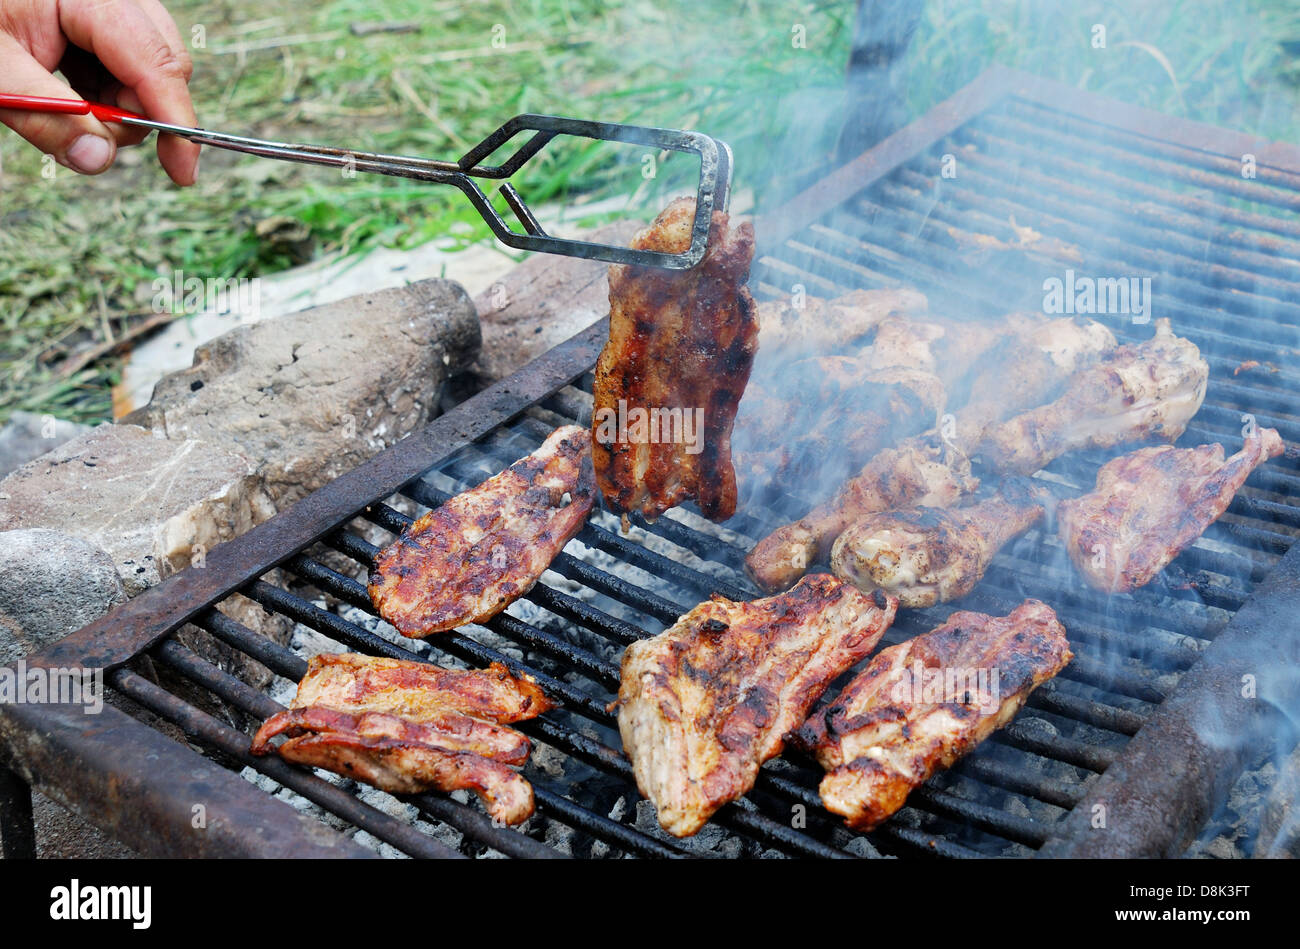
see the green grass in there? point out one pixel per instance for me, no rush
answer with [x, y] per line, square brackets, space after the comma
[77, 254]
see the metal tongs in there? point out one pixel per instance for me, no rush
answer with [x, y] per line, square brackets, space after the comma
[712, 194]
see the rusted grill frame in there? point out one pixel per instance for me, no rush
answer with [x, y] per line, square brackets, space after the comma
[1167, 768]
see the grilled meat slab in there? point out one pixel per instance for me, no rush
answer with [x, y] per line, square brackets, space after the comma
[1147, 390]
[927, 555]
[407, 727]
[400, 758]
[704, 704]
[921, 705]
[1150, 505]
[923, 470]
[678, 340]
[469, 559]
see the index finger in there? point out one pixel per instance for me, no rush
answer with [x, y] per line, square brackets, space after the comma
[129, 44]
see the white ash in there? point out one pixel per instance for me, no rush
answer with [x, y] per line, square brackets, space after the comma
[618, 810]
[1016, 807]
[383, 849]
[711, 840]
[559, 838]
[301, 804]
[1223, 849]
[550, 761]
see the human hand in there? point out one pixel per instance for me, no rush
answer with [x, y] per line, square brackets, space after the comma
[127, 53]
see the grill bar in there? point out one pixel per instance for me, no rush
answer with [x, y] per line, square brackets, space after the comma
[1196, 167]
[1133, 645]
[394, 520]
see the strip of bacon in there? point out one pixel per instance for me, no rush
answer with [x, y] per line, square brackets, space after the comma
[407, 727]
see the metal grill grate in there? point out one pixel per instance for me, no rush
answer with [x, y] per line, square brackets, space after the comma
[1128, 196]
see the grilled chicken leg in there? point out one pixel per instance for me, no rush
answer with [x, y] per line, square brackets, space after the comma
[926, 555]
[1152, 504]
[704, 704]
[1139, 391]
[933, 469]
[1030, 366]
[921, 705]
[923, 470]
[821, 326]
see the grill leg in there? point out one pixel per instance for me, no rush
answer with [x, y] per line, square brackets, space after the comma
[876, 84]
[17, 832]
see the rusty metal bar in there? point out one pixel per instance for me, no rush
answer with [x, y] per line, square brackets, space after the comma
[1220, 172]
[151, 792]
[1170, 778]
[1162, 207]
[1154, 128]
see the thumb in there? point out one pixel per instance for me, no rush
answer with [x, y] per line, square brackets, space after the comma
[80, 142]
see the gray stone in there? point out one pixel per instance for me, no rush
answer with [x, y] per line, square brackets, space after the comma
[311, 395]
[27, 435]
[543, 302]
[51, 584]
[153, 504]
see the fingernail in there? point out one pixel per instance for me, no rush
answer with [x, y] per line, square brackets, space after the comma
[90, 154]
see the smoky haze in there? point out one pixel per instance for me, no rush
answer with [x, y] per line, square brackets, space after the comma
[1051, 204]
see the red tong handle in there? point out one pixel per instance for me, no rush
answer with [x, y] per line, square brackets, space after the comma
[105, 113]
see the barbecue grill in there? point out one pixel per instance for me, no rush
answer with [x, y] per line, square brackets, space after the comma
[1127, 752]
